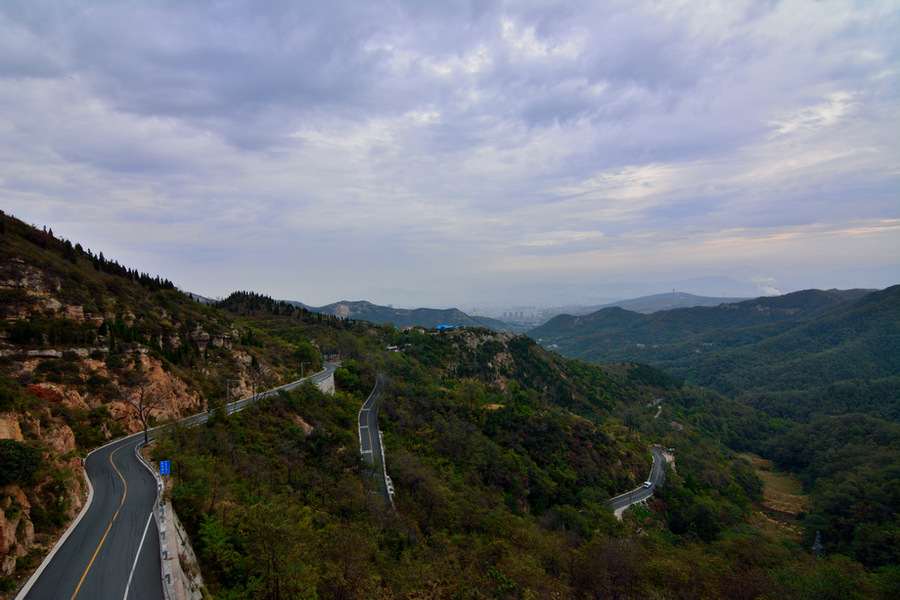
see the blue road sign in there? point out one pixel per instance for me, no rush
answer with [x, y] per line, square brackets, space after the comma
[163, 467]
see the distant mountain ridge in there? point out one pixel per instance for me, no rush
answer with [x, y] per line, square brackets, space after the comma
[575, 331]
[432, 317]
[658, 302]
[769, 344]
[403, 317]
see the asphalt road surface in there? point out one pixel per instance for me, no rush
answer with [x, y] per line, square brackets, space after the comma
[657, 477]
[114, 547]
[112, 550]
[327, 371]
[369, 439]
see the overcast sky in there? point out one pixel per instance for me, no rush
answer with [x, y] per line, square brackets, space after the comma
[314, 151]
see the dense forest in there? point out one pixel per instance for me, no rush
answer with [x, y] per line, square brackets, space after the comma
[821, 367]
[806, 341]
[499, 494]
[502, 453]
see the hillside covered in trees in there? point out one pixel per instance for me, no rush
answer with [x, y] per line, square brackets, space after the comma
[823, 366]
[91, 350]
[798, 341]
[502, 453]
[500, 478]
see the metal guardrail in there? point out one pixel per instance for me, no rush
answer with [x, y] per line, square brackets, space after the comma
[198, 419]
[387, 480]
[159, 515]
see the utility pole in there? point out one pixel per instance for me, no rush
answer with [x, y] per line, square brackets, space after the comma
[228, 383]
[817, 546]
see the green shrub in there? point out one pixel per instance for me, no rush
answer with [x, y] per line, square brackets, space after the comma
[18, 461]
[52, 516]
[10, 393]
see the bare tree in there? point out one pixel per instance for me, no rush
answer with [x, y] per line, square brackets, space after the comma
[149, 397]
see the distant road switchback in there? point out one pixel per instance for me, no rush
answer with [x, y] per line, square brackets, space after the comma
[656, 479]
[370, 437]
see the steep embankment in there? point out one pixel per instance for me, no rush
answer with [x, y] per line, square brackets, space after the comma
[90, 350]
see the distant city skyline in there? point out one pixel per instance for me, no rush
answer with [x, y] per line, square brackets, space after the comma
[461, 153]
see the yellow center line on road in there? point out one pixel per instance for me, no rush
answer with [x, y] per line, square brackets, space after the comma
[124, 493]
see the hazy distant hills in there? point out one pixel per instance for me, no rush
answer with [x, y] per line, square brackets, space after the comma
[742, 282]
[796, 341]
[604, 333]
[433, 317]
[733, 283]
[401, 317]
[658, 302]
[614, 326]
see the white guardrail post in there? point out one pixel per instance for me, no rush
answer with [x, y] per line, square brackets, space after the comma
[159, 512]
[387, 480]
[159, 506]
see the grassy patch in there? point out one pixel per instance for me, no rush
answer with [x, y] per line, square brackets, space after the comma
[783, 500]
[773, 479]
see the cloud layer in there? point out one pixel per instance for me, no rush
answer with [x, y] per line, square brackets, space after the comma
[310, 150]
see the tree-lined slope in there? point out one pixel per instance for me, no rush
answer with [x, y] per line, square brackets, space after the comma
[91, 350]
[795, 342]
[500, 486]
[825, 364]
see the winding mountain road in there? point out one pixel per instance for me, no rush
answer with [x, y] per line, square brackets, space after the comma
[656, 479]
[112, 549]
[370, 438]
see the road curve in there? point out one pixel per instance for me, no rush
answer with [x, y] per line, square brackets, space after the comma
[656, 479]
[112, 549]
[370, 437]
[114, 545]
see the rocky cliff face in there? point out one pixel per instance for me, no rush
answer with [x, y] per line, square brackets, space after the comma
[172, 397]
[90, 351]
[59, 489]
[63, 470]
[17, 531]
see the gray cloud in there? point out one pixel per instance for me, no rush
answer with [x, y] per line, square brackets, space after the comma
[520, 141]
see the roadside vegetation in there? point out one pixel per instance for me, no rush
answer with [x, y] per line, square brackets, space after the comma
[501, 452]
[501, 475]
[815, 373]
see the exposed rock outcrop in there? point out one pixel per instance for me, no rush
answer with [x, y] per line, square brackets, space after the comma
[16, 529]
[17, 535]
[221, 340]
[199, 337]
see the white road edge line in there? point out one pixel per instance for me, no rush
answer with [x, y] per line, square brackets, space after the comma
[37, 574]
[23, 592]
[138, 555]
[65, 536]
